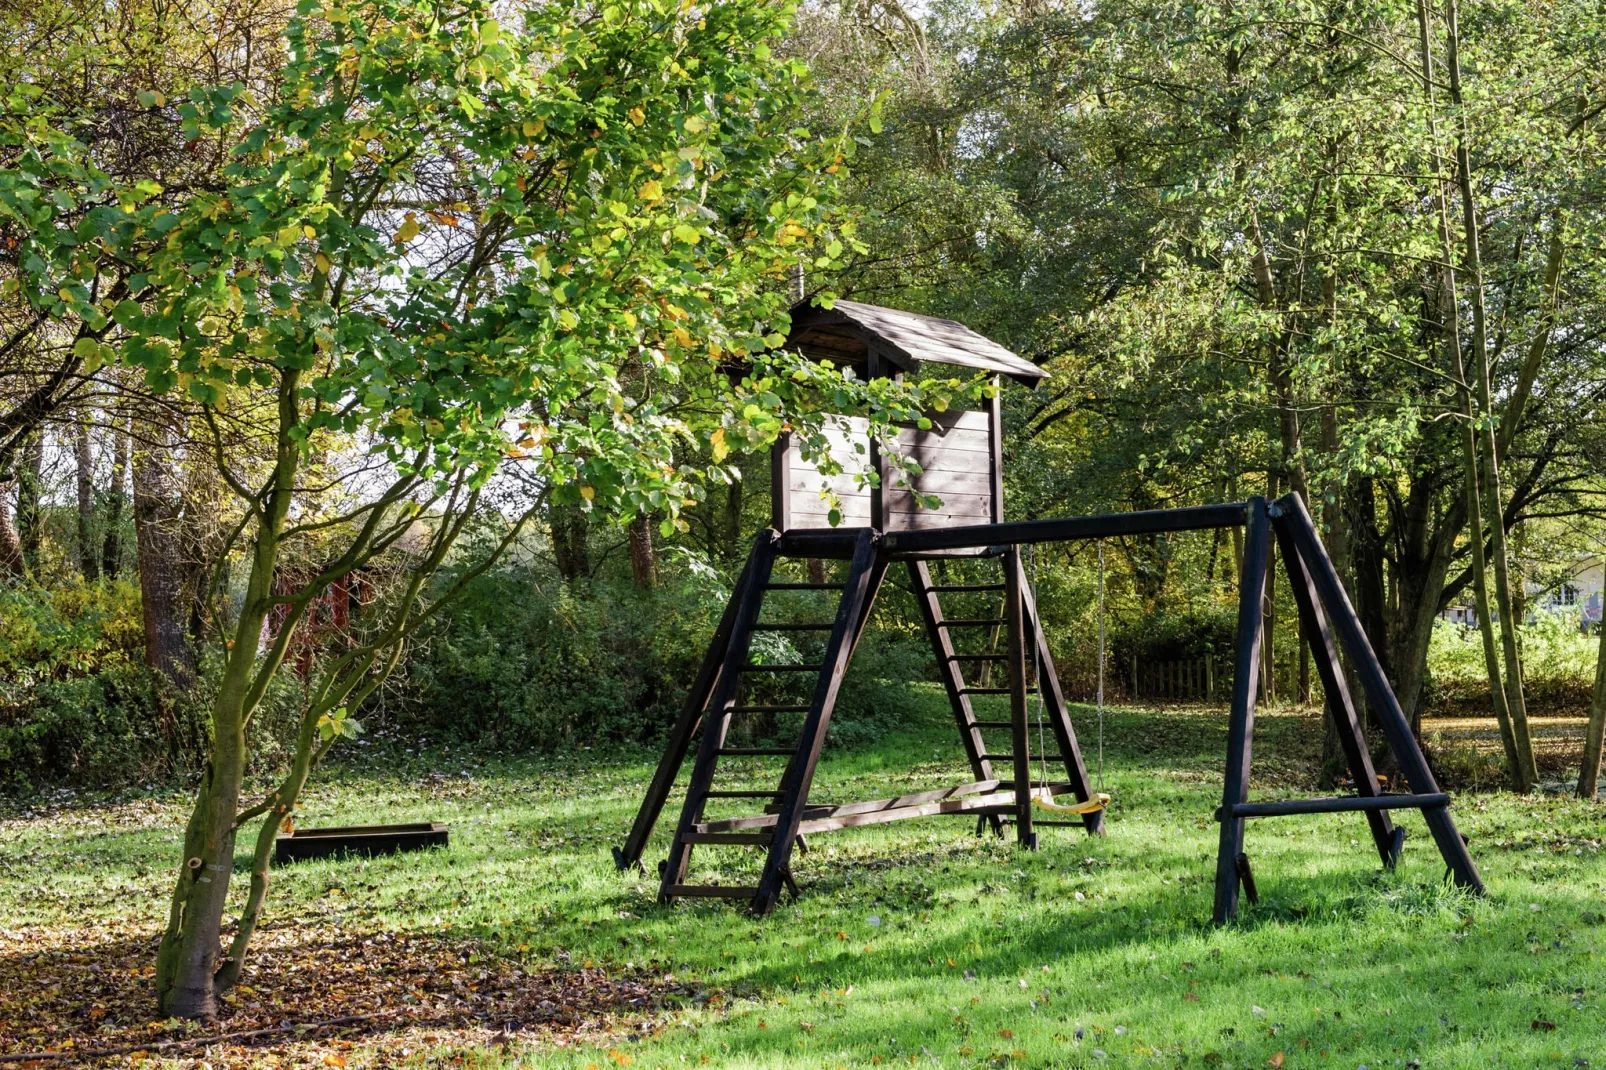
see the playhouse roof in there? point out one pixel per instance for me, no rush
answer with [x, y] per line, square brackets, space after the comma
[848, 330]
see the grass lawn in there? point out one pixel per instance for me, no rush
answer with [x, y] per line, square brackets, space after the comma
[914, 943]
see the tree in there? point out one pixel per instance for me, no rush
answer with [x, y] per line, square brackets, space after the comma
[440, 243]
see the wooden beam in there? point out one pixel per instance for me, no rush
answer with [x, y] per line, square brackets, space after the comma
[1067, 529]
[1346, 723]
[1015, 638]
[1341, 804]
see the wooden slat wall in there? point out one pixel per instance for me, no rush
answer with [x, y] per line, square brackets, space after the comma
[956, 464]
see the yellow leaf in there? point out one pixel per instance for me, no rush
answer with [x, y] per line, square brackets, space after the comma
[695, 124]
[533, 128]
[683, 336]
[650, 190]
[588, 492]
[308, 231]
[334, 1060]
[637, 116]
[716, 442]
[408, 230]
[323, 263]
[288, 825]
[630, 319]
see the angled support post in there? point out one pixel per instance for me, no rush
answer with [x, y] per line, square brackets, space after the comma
[1313, 622]
[1241, 726]
[1379, 695]
[680, 737]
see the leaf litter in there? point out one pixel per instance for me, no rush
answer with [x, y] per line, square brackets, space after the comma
[312, 996]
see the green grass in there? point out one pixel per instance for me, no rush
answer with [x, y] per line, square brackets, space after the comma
[920, 941]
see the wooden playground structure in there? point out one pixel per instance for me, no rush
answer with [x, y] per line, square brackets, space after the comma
[882, 525]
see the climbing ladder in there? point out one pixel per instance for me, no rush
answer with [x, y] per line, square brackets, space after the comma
[732, 675]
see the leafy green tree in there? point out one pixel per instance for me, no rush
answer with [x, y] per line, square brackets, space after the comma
[440, 243]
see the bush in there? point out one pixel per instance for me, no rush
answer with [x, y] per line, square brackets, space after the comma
[524, 661]
[75, 698]
[1558, 661]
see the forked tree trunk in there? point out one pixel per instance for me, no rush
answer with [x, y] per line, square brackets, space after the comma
[569, 529]
[188, 960]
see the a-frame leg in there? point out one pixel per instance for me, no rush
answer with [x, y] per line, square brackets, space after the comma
[953, 680]
[680, 737]
[800, 778]
[1379, 695]
[1313, 623]
[1241, 726]
[1015, 658]
[717, 721]
[1059, 716]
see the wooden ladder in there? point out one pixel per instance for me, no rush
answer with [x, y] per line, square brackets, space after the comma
[789, 798]
[1016, 615]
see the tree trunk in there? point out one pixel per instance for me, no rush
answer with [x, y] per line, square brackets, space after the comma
[569, 527]
[11, 564]
[643, 567]
[84, 458]
[187, 962]
[1589, 775]
[1525, 773]
[158, 509]
[30, 515]
[111, 548]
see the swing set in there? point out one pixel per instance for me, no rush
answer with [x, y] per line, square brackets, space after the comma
[883, 525]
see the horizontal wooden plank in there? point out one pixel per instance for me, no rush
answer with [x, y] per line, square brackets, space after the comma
[706, 891]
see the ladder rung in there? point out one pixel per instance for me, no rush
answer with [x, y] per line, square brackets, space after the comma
[711, 891]
[992, 691]
[742, 795]
[974, 622]
[1058, 824]
[803, 586]
[755, 751]
[729, 839]
[1011, 757]
[968, 587]
[782, 668]
[768, 709]
[992, 724]
[793, 627]
[978, 657]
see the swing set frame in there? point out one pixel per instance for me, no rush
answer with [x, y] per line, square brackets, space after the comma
[960, 458]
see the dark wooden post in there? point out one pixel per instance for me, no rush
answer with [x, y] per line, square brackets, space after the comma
[1379, 695]
[781, 482]
[1020, 734]
[1241, 726]
[1319, 641]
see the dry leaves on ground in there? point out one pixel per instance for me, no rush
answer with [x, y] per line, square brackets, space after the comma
[389, 994]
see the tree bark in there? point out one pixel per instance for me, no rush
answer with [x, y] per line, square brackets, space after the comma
[30, 515]
[111, 548]
[1526, 773]
[1589, 775]
[643, 566]
[163, 569]
[569, 528]
[11, 564]
[84, 458]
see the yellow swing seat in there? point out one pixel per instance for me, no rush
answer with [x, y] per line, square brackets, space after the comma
[1092, 806]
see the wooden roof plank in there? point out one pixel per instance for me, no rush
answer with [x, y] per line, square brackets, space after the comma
[908, 339]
